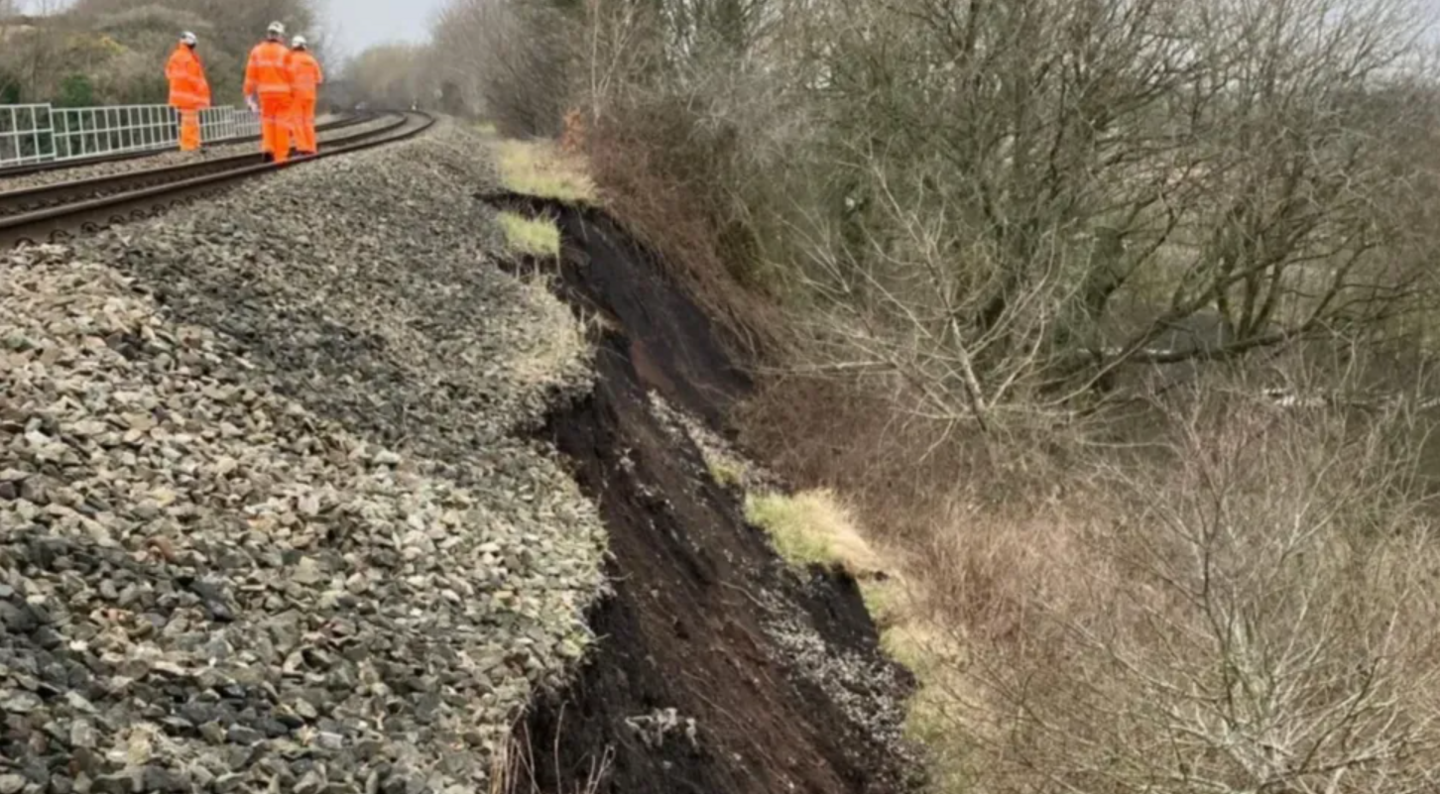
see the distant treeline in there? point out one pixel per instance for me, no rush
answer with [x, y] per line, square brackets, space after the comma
[112, 52]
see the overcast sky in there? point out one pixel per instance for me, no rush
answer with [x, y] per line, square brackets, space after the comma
[357, 23]
[360, 23]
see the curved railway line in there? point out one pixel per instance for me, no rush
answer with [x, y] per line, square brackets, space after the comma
[15, 172]
[54, 212]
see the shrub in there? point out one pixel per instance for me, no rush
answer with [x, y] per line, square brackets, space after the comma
[76, 90]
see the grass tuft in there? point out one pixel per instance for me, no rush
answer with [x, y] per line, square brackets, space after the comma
[728, 473]
[537, 168]
[531, 237]
[812, 527]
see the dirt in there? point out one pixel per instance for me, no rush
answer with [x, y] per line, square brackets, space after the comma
[719, 669]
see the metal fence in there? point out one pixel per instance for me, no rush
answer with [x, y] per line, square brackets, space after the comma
[25, 135]
[41, 133]
[217, 124]
[86, 132]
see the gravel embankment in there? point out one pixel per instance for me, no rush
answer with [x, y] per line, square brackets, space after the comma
[160, 160]
[265, 523]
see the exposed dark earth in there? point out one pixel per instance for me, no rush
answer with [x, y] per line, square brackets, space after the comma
[718, 669]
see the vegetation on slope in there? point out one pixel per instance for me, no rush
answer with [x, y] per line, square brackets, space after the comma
[1112, 321]
[112, 52]
[530, 236]
[541, 169]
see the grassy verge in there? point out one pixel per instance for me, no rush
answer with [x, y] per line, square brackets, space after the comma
[816, 527]
[539, 168]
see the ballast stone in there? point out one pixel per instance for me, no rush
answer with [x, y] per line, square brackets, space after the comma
[267, 516]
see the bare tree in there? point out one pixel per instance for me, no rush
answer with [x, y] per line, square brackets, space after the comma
[1033, 198]
[392, 75]
[1249, 615]
[512, 57]
[9, 23]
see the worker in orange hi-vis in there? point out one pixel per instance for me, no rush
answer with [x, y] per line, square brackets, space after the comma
[189, 90]
[267, 78]
[305, 80]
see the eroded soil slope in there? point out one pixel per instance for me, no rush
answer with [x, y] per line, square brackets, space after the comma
[719, 669]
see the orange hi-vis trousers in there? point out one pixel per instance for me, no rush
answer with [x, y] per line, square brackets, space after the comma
[304, 114]
[275, 125]
[189, 130]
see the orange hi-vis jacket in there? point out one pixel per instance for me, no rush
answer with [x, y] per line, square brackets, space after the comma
[189, 90]
[305, 74]
[267, 71]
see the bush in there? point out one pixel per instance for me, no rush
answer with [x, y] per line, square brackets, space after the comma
[1251, 614]
[76, 91]
[9, 90]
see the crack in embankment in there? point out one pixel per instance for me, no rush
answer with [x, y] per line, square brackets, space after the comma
[694, 687]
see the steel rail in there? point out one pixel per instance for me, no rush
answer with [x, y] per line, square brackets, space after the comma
[24, 200]
[57, 223]
[119, 157]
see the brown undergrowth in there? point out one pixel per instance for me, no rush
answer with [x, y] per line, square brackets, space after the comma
[1215, 593]
[1239, 605]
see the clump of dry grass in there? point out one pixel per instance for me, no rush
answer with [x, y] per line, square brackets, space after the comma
[729, 473]
[813, 528]
[516, 767]
[540, 168]
[530, 236]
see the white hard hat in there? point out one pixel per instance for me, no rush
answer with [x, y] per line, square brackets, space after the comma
[298, 42]
[276, 29]
[189, 38]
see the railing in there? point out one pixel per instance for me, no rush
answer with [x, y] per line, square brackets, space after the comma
[25, 135]
[87, 132]
[41, 133]
[217, 124]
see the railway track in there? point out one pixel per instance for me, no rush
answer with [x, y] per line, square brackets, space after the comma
[55, 212]
[41, 168]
